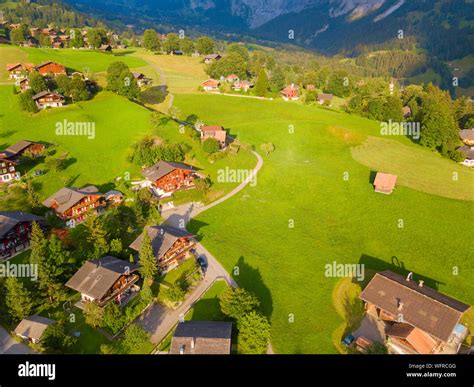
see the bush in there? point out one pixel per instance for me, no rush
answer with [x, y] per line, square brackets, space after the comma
[210, 145]
[254, 333]
[26, 102]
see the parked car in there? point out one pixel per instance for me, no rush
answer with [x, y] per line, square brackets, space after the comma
[202, 262]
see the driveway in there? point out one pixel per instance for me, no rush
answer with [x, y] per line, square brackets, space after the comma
[9, 346]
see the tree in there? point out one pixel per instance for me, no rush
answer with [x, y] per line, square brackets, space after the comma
[33, 198]
[18, 299]
[277, 80]
[267, 148]
[171, 43]
[94, 38]
[121, 81]
[205, 45]
[203, 185]
[52, 268]
[37, 82]
[96, 236]
[147, 259]
[210, 145]
[113, 318]
[134, 339]
[232, 63]
[17, 36]
[262, 85]
[77, 40]
[26, 102]
[151, 41]
[56, 340]
[236, 303]
[94, 314]
[186, 45]
[239, 49]
[254, 333]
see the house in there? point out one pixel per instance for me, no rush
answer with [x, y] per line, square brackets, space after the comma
[202, 338]
[113, 197]
[242, 85]
[211, 58]
[103, 280]
[310, 87]
[171, 246]
[141, 79]
[417, 319]
[406, 111]
[25, 147]
[385, 183]
[166, 177]
[232, 78]
[469, 154]
[15, 231]
[74, 204]
[105, 48]
[32, 328]
[216, 132]
[177, 52]
[467, 136]
[19, 70]
[47, 98]
[290, 93]
[48, 31]
[325, 99]
[8, 171]
[30, 42]
[210, 85]
[51, 68]
[24, 84]
[57, 44]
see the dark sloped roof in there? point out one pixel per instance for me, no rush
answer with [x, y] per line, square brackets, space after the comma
[19, 146]
[210, 337]
[95, 278]
[46, 92]
[67, 197]
[467, 151]
[467, 134]
[162, 168]
[9, 219]
[33, 327]
[422, 307]
[325, 97]
[162, 238]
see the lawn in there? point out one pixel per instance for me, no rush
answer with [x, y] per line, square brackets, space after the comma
[303, 214]
[208, 307]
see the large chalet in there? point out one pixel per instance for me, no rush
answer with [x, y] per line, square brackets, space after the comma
[416, 319]
[104, 280]
[166, 177]
[51, 68]
[15, 231]
[467, 137]
[74, 204]
[171, 246]
[216, 132]
[19, 70]
[8, 170]
[290, 93]
[24, 147]
[50, 99]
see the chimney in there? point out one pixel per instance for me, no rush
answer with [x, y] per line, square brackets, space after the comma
[400, 305]
[192, 343]
[420, 283]
[181, 350]
[409, 276]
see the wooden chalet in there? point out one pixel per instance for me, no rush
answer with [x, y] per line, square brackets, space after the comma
[104, 280]
[202, 338]
[23, 147]
[51, 68]
[467, 136]
[468, 154]
[19, 70]
[171, 246]
[105, 48]
[216, 132]
[48, 31]
[385, 183]
[417, 319]
[166, 177]
[8, 170]
[74, 204]
[32, 328]
[290, 93]
[25, 84]
[15, 231]
[211, 58]
[210, 85]
[113, 197]
[141, 79]
[47, 99]
[242, 85]
[232, 78]
[325, 99]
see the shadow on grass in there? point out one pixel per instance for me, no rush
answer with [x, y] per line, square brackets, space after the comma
[251, 279]
[154, 95]
[195, 227]
[373, 265]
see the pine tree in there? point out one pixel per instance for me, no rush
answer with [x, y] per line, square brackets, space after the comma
[262, 85]
[17, 299]
[147, 258]
[96, 236]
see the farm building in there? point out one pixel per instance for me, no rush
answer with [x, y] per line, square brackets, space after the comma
[385, 183]
[216, 132]
[210, 85]
[32, 328]
[47, 99]
[290, 93]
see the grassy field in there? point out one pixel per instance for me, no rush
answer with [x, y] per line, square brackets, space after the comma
[302, 185]
[208, 307]
[75, 60]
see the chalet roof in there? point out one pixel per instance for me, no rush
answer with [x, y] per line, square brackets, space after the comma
[421, 306]
[138, 75]
[290, 90]
[20, 146]
[468, 151]
[466, 134]
[212, 56]
[95, 278]
[211, 82]
[68, 196]
[212, 128]
[112, 193]
[209, 337]
[419, 340]
[46, 92]
[33, 327]
[162, 168]
[9, 219]
[13, 66]
[232, 76]
[162, 238]
[385, 181]
[325, 97]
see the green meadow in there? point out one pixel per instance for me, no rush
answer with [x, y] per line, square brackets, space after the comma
[314, 204]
